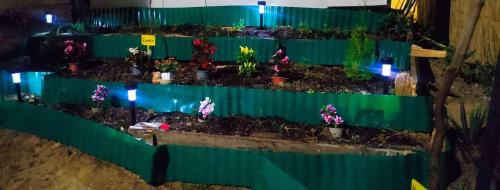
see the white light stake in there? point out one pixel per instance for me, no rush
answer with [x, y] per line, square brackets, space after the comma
[262, 9]
[49, 18]
[386, 70]
[132, 95]
[16, 78]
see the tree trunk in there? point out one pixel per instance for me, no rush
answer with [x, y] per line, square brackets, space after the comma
[450, 74]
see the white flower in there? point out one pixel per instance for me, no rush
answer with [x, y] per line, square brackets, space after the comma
[133, 51]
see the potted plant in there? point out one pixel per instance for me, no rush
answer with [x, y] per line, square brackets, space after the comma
[73, 53]
[203, 52]
[246, 61]
[167, 68]
[206, 108]
[281, 63]
[333, 120]
[98, 97]
[138, 59]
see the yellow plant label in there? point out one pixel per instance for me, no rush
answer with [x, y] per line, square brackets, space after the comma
[148, 40]
[415, 185]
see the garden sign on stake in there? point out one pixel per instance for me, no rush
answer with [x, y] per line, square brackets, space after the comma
[148, 40]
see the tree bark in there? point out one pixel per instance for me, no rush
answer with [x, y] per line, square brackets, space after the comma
[450, 75]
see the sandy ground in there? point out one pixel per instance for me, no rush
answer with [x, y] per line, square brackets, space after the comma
[28, 162]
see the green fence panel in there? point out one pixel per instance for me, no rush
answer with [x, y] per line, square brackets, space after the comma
[230, 15]
[89, 137]
[325, 52]
[31, 83]
[378, 111]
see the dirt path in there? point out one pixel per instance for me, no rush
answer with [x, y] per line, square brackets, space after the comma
[29, 162]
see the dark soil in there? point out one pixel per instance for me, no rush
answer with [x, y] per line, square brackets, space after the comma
[300, 78]
[244, 126]
[279, 32]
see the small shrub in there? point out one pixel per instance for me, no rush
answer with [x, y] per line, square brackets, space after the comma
[166, 65]
[247, 69]
[360, 55]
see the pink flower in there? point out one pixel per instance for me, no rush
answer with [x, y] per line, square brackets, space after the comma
[68, 50]
[338, 120]
[276, 68]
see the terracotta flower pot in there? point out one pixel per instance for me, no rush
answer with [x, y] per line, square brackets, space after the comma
[156, 77]
[336, 132]
[279, 81]
[201, 75]
[166, 78]
[73, 67]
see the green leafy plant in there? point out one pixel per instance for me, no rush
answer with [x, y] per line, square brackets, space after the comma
[79, 27]
[240, 26]
[247, 69]
[304, 29]
[469, 129]
[360, 54]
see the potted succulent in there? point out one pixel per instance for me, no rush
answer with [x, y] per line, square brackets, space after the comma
[281, 63]
[167, 68]
[246, 61]
[206, 108]
[203, 52]
[74, 53]
[333, 120]
[98, 97]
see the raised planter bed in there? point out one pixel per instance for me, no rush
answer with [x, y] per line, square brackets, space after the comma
[235, 167]
[377, 111]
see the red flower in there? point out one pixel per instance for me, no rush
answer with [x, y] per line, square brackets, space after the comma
[197, 43]
[164, 127]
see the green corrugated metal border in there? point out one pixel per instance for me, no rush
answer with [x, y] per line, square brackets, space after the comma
[251, 168]
[31, 83]
[229, 15]
[377, 111]
[322, 52]
[89, 137]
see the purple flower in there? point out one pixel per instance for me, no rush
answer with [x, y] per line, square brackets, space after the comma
[329, 115]
[338, 120]
[100, 93]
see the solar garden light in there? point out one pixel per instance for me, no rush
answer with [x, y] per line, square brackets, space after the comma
[262, 6]
[16, 79]
[387, 63]
[49, 18]
[132, 97]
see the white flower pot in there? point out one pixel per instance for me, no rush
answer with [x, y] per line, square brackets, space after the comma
[200, 120]
[166, 78]
[201, 75]
[96, 110]
[336, 132]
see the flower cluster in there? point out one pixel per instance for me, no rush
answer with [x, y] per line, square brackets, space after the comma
[137, 56]
[75, 52]
[100, 93]
[246, 55]
[281, 61]
[166, 65]
[329, 115]
[206, 107]
[203, 52]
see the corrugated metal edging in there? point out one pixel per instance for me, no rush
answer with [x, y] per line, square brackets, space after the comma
[89, 137]
[252, 168]
[31, 83]
[231, 15]
[323, 52]
[377, 111]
